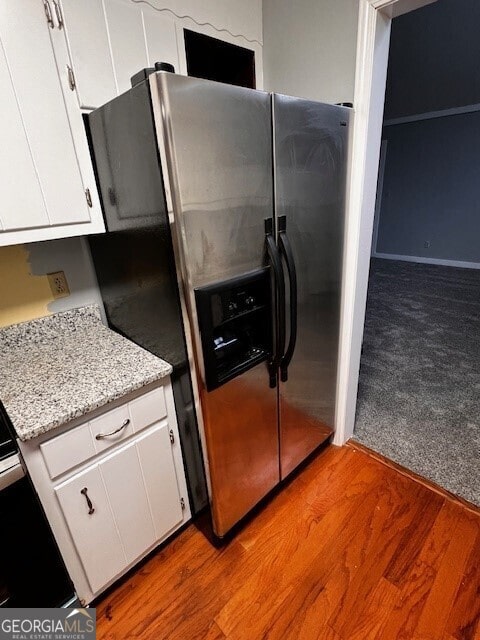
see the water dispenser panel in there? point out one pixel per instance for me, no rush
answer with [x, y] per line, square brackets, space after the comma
[235, 320]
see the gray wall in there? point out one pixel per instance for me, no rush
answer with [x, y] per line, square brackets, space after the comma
[434, 59]
[431, 189]
[309, 48]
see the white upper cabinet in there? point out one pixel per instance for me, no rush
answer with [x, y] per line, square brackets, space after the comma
[111, 40]
[88, 45]
[59, 57]
[160, 37]
[127, 40]
[16, 163]
[48, 186]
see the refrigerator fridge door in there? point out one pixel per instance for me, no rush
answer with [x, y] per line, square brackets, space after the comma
[310, 155]
[216, 142]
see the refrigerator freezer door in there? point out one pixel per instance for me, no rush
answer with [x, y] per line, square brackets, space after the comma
[216, 141]
[310, 155]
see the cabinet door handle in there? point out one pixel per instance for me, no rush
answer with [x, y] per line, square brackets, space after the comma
[91, 508]
[58, 14]
[101, 436]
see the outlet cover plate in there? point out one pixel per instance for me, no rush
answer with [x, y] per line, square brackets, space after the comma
[58, 284]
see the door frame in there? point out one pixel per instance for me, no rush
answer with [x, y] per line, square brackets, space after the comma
[378, 199]
[373, 42]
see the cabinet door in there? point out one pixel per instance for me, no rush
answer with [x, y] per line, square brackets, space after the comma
[89, 50]
[142, 488]
[155, 452]
[125, 486]
[160, 37]
[19, 186]
[94, 534]
[31, 63]
[127, 40]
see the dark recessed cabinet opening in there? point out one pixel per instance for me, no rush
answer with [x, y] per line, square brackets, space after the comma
[214, 59]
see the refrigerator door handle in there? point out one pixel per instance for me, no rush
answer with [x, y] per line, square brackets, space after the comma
[287, 253]
[276, 263]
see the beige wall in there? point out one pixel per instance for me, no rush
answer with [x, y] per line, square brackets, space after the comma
[309, 48]
[22, 296]
[24, 289]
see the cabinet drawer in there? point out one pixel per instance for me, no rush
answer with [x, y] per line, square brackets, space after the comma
[66, 451]
[82, 443]
[148, 409]
[111, 427]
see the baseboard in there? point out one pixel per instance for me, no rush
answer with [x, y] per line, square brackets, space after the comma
[422, 260]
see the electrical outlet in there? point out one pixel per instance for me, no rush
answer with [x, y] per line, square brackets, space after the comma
[426, 244]
[58, 284]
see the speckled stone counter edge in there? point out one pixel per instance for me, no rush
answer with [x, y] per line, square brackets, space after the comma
[43, 331]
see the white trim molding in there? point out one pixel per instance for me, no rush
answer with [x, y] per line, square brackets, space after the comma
[462, 264]
[430, 115]
[394, 8]
[373, 41]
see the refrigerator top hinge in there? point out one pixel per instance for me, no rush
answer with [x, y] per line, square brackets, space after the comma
[182, 504]
[71, 78]
[172, 436]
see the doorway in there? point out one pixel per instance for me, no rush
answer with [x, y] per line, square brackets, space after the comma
[418, 400]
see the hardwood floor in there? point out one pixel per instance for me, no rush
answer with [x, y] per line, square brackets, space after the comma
[351, 549]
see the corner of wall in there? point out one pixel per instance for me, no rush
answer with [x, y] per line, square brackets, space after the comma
[25, 292]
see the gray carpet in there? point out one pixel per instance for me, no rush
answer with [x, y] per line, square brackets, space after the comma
[419, 394]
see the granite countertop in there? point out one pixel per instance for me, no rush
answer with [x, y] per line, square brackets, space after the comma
[61, 367]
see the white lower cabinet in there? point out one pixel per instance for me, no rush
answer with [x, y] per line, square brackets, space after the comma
[155, 452]
[108, 509]
[118, 508]
[127, 490]
[95, 534]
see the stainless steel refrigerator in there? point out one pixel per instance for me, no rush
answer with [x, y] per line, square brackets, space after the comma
[251, 187]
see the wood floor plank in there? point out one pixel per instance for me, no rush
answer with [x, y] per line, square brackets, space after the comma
[302, 602]
[348, 559]
[372, 620]
[312, 565]
[413, 538]
[403, 621]
[301, 547]
[433, 621]
[306, 489]
[464, 620]
[394, 516]
[214, 633]
[429, 484]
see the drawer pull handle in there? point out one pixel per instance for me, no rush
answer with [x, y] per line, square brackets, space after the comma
[101, 436]
[91, 508]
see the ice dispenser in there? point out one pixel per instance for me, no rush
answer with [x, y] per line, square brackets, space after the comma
[235, 320]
